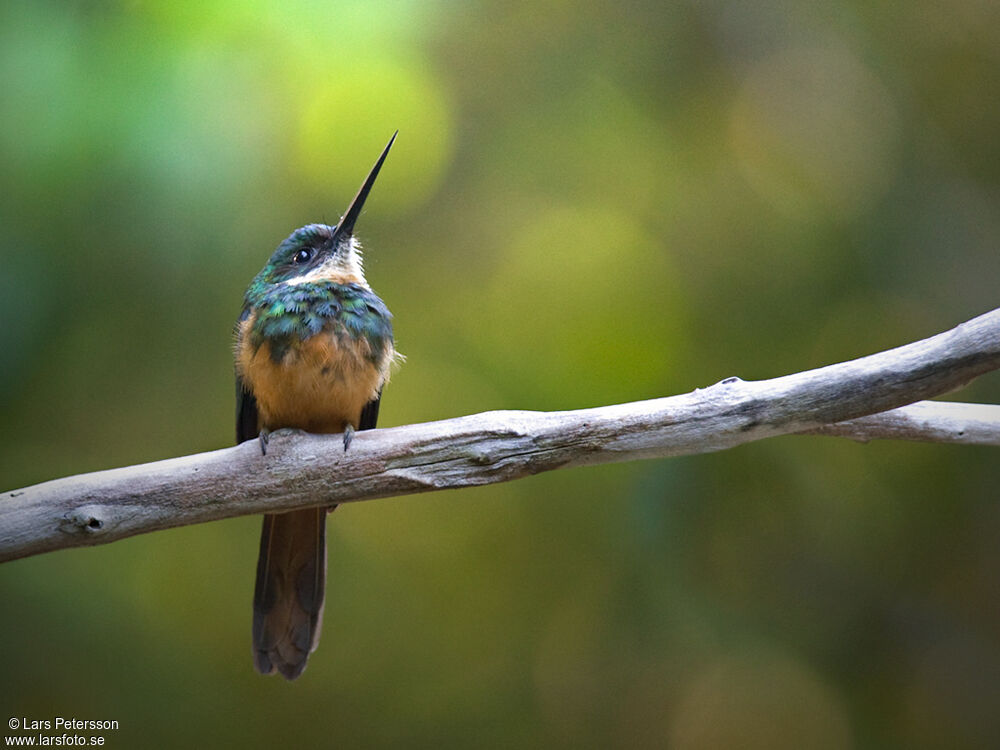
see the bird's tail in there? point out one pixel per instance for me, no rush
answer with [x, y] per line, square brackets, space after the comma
[288, 597]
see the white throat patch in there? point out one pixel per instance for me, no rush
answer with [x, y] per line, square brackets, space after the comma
[342, 267]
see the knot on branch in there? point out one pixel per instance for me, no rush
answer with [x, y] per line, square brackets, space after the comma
[87, 519]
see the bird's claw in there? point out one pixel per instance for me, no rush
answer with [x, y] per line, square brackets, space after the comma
[264, 436]
[348, 436]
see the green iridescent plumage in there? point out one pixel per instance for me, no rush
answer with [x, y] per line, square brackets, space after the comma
[281, 265]
[295, 312]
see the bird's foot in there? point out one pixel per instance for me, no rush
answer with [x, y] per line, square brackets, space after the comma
[348, 436]
[264, 437]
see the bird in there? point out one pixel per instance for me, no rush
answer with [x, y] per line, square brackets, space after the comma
[313, 349]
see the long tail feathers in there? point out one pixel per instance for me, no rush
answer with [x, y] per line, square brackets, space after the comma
[288, 597]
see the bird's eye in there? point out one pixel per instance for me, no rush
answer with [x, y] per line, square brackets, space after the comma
[303, 255]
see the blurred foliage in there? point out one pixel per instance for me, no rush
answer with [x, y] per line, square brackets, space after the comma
[587, 204]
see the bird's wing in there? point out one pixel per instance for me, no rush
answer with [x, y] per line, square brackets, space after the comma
[247, 418]
[369, 414]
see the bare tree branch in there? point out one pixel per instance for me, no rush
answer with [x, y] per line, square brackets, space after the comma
[925, 421]
[303, 470]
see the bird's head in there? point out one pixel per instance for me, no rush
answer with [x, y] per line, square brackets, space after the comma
[318, 252]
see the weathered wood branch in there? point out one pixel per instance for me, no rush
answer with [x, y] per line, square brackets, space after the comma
[925, 421]
[300, 470]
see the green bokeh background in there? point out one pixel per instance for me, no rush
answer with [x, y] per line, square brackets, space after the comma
[587, 204]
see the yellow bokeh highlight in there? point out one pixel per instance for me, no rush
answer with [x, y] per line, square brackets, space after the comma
[347, 116]
[578, 292]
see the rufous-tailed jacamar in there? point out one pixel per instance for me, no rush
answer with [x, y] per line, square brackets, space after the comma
[313, 350]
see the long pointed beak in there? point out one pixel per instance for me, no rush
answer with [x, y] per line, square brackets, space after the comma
[346, 227]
